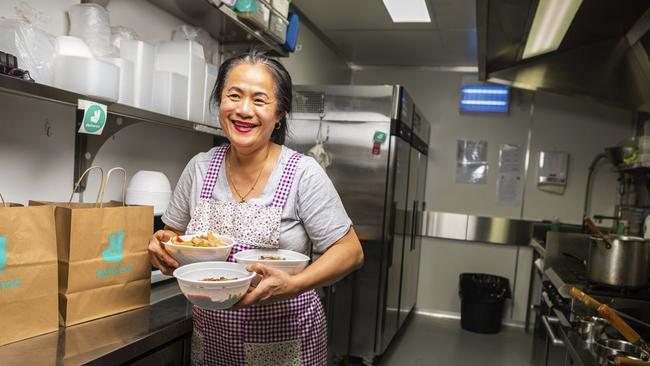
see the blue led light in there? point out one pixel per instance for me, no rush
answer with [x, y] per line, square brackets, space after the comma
[484, 98]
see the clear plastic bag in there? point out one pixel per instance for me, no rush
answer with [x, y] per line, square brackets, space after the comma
[198, 35]
[119, 33]
[35, 49]
[91, 23]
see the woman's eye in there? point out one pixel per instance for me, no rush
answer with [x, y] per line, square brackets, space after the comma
[259, 102]
[234, 96]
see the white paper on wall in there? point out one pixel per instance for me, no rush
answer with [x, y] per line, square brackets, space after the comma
[471, 162]
[511, 170]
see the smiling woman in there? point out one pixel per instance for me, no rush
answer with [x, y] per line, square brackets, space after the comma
[268, 197]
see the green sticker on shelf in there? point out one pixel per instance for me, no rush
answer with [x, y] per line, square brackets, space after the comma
[94, 118]
[379, 137]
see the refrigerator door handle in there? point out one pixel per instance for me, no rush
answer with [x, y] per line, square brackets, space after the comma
[391, 239]
[414, 224]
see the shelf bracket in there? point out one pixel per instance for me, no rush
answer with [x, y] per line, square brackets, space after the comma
[87, 146]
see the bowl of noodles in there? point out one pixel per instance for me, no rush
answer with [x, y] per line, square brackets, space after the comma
[282, 259]
[213, 285]
[199, 247]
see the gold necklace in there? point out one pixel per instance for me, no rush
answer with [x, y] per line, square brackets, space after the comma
[242, 198]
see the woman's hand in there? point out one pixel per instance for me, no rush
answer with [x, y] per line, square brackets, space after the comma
[275, 285]
[158, 255]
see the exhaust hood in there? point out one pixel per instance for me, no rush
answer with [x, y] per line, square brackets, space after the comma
[602, 56]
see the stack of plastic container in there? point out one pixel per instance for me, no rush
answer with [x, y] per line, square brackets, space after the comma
[141, 54]
[76, 69]
[185, 58]
[210, 116]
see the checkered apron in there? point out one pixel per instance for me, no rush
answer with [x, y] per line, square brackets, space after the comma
[289, 332]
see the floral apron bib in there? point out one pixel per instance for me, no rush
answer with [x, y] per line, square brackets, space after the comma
[289, 332]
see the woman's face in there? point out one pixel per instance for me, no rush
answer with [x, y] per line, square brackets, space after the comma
[248, 109]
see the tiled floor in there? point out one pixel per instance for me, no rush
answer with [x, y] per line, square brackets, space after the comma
[441, 342]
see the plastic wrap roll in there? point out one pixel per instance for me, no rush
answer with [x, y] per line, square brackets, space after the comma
[91, 23]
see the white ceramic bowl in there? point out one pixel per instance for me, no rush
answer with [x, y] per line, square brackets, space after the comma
[209, 294]
[150, 181]
[185, 254]
[293, 263]
[149, 188]
[159, 200]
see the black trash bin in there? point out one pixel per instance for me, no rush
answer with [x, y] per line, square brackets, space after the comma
[482, 297]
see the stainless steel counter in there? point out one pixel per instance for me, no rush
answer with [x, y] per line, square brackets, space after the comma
[137, 336]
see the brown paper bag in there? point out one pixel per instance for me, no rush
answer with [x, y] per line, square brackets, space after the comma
[28, 272]
[104, 267]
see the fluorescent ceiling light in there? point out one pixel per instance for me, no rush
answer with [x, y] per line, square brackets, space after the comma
[485, 91]
[551, 22]
[408, 11]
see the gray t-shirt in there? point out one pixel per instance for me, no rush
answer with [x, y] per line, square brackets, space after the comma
[313, 212]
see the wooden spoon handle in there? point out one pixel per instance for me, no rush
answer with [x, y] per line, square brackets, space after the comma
[630, 334]
[624, 361]
[588, 300]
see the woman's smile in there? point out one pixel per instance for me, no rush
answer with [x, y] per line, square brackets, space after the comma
[242, 126]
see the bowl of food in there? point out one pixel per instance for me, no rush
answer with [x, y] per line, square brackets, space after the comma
[201, 247]
[213, 285]
[282, 259]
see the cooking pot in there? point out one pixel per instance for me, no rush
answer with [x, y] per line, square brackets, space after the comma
[619, 261]
[591, 328]
[608, 349]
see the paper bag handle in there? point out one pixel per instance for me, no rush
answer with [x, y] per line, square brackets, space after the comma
[76, 186]
[108, 175]
[4, 204]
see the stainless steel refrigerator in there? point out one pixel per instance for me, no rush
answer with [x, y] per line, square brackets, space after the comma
[375, 141]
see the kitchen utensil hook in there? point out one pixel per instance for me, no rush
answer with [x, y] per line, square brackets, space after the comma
[321, 116]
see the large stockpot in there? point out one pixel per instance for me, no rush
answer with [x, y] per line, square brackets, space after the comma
[622, 261]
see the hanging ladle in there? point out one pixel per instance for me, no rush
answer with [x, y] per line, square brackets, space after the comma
[596, 231]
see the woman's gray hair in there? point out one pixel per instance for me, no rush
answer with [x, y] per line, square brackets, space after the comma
[281, 79]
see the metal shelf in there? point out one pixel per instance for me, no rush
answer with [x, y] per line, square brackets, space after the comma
[44, 92]
[223, 24]
[634, 167]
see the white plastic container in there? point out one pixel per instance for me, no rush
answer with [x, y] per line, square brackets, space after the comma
[258, 18]
[186, 254]
[281, 6]
[278, 27]
[72, 46]
[292, 262]
[142, 55]
[212, 294]
[170, 93]
[185, 58]
[87, 76]
[127, 72]
[210, 118]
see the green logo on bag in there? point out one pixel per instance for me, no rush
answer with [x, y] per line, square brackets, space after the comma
[114, 251]
[113, 254]
[3, 253]
[3, 264]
